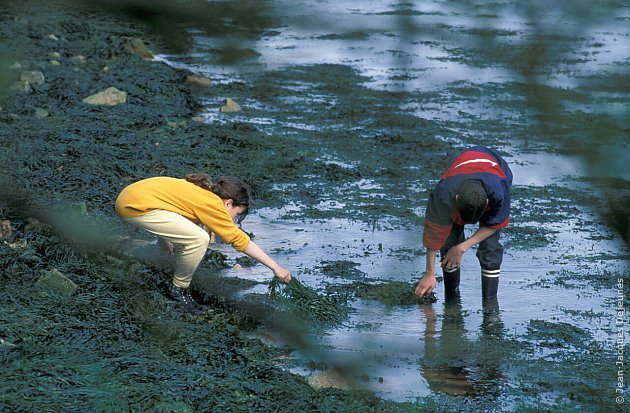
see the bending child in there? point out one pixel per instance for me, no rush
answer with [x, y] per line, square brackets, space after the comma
[173, 208]
[475, 188]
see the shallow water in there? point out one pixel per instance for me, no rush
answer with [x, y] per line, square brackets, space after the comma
[458, 64]
[389, 344]
[386, 347]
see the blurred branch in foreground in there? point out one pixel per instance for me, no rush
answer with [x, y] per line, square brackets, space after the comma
[605, 131]
[171, 20]
[231, 20]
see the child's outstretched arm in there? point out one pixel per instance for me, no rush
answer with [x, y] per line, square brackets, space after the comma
[259, 255]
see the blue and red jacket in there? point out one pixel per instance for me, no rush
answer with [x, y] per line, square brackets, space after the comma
[481, 164]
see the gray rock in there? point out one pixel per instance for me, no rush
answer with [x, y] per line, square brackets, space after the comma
[108, 97]
[230, 106]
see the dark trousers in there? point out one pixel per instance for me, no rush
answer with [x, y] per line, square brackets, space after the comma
[489, 251]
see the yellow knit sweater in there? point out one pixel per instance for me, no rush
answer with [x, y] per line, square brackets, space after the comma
[182, 197]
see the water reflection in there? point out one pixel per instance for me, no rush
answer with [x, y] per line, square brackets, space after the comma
[455, 365]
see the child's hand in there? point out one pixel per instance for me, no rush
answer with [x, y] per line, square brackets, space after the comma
[283, 275]
[453, 258]
[426, 285]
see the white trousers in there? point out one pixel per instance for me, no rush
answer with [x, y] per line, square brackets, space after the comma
[190, 241]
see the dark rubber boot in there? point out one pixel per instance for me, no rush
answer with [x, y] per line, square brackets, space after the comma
[451, 284]
[200, 307]
[182, 296]
[489, 286]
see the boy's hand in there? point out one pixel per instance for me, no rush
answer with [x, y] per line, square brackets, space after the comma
[425, 285]
[453, 258]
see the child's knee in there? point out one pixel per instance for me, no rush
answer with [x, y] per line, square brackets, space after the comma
[203, 239]
[198, 242]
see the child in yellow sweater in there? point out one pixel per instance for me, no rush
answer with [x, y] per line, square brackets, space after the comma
[172, 209]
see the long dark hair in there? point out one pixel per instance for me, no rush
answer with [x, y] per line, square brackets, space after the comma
[225, 187]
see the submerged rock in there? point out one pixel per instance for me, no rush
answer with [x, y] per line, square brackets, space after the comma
[230, 106]
[55, 281]
[109, 97]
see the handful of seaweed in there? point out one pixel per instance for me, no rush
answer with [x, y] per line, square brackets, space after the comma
[305, 303]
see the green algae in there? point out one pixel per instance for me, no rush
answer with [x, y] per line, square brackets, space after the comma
[390, 293]
[342, 269]
[303, 303]
[394, 293]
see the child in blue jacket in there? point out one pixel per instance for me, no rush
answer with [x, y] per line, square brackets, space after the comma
[475, 188]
